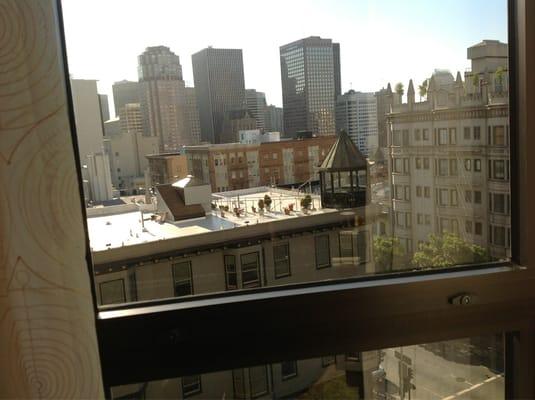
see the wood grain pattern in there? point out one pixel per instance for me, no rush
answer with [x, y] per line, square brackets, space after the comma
[48, 345]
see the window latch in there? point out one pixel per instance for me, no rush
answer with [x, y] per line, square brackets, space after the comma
[463, 299]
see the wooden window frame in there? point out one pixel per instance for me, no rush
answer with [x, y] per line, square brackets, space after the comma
[182, 336]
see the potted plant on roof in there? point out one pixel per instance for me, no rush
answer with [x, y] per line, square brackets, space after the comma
[267, 202]
[261, 206]
[305, 203]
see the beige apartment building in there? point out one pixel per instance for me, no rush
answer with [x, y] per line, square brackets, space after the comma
[449, 155]
[127, 147]
[167, 167]
[235, 166]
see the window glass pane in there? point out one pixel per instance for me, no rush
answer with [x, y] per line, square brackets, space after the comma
[469, 368]
[112, 292]
[197, 185]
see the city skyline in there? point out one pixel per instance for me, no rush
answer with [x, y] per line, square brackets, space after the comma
[390, 55]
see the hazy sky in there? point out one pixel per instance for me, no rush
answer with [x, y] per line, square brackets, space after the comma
[381, 41]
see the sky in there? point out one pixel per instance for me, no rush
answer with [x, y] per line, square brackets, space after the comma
[381, 41]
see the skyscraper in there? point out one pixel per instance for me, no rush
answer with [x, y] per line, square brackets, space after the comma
[273, 119]
[220, 88]
[124, 92]
[310, 70]
[356, 113]
[256, 105]
[162, 96]
[192, 116]
[104, 107]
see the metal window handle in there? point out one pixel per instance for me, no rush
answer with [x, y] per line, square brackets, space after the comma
[463, 299]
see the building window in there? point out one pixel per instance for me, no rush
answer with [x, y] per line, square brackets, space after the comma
[498, 135]
[453, 135]
[478, 228]
[427, 192]
[354, 356]
[112, 292]
[417, 135]
[498, 235]
[418, 191]
[498, 169]
[425, 134]
[426, 163]
[258, 381]
[323, 251]
[467, 133]
[182, 278]
[191, 385]
[453, 167]
[477, 165]
[396, 138]
[230, 272]
[443, 136]
[443, 167]
[498, 203]
[477, 197]
[468, 164]
[250, 270]
[418, 162]
[477, 132]
[281, 260]
[288, 370]
[443, 197]
[346, 244]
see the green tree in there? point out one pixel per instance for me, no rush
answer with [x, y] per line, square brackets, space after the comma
[422, 89]
[447, 250]
[475, 81]
[500, 72]
[306, 202]
[385, 250]
[400, 89]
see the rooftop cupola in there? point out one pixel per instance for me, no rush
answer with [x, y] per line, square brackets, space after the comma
[344, 175]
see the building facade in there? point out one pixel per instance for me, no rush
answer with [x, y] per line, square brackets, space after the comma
[273, 119]
[192, 116]
[125, 92]
[167, 168]
[310, 70]
[220, 88]
[235, 166]
[162, 98]
[256, 105]
[104, 107]
[356, 113]
[449, 156]
[234, 122]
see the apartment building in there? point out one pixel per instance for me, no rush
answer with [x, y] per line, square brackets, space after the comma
[449, 155]
[234, 166]
[167, 167]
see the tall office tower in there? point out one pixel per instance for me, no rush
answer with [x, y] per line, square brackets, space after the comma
[310, 70]
[273, 119]
[220, 87]
[256, 105]
[162, 95]
[192, 116]
[356, 113]
[449, 156]
[104, 107]
[124, 92]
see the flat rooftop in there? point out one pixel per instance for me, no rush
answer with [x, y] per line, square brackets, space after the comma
[123, 227]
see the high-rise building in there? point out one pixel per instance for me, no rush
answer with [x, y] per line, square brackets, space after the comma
[256, 105]
[104, 107]
[356, 113]
[220, 87]
[162, 96]
[192, 116]
[310, 70]
[124, 92]
[273, 119]
[449, 156]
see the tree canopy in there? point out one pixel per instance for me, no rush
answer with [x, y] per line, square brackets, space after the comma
[386, 250]
[447, 250]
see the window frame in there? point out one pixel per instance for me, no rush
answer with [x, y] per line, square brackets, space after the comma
[189, 394]
[316, 238]
[173, 265]
[292, 375]
[287, 260]
[505, 301]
